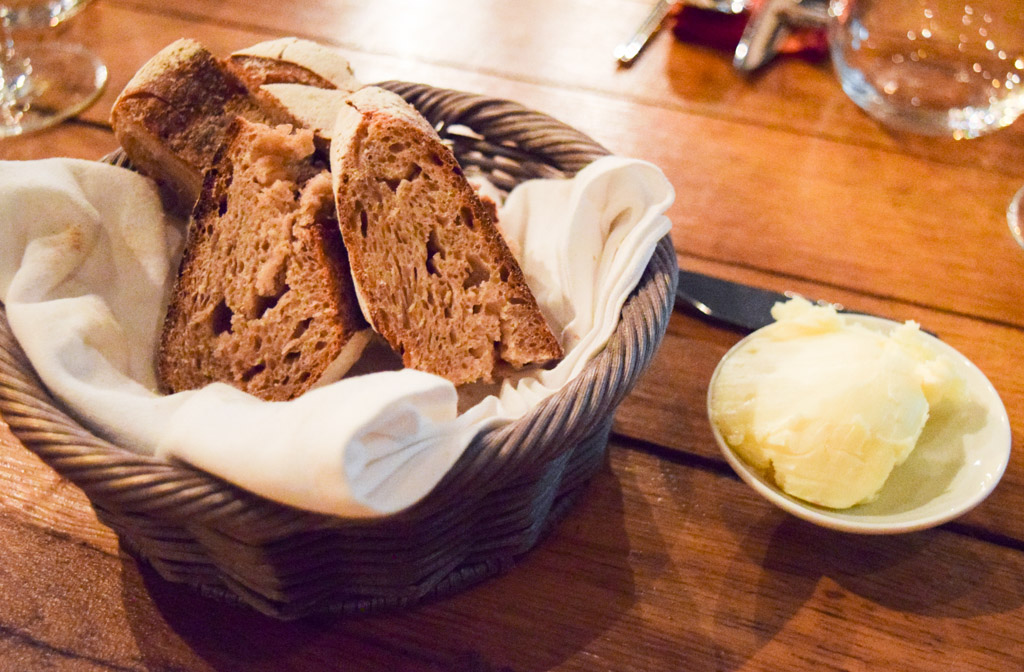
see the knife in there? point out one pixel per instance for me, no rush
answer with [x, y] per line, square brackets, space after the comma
[736, 305]
[730, 303]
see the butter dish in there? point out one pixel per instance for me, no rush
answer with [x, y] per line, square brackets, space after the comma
[959, 458]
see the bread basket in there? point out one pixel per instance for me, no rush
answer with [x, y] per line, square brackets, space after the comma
[504, 493]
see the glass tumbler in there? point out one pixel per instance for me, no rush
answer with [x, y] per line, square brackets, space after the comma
[934, 67]
[43, 81]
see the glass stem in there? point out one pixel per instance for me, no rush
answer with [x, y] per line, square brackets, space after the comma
[14, 71]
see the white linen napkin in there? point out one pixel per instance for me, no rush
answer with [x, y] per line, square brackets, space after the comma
[87, 258]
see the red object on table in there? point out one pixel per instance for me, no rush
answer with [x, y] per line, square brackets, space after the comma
[721, 30]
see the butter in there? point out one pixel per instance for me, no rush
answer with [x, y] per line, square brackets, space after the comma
[826, 407]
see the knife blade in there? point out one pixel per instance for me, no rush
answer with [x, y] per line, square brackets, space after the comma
[730, 303]
[733, 304]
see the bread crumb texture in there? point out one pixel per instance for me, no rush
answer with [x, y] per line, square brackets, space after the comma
[174, 114]
[433, 274]
[264, 299]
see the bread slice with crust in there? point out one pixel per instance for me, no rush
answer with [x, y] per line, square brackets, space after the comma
[433, 275]
[314, 108]
[174, 113]
[264, 299]
[295, 61]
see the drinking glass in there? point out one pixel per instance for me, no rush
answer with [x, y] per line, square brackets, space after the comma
[1015, 216]
[935, 67]
[43, 82]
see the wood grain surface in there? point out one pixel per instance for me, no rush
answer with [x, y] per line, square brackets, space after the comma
[669, 562]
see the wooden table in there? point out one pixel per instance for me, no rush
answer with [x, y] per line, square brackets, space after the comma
[670, 562]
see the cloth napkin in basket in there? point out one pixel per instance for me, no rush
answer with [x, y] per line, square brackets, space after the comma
[87, 258]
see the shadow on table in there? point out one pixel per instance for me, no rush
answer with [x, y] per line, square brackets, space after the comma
[853, 579]
[932, 573]
[537, 615]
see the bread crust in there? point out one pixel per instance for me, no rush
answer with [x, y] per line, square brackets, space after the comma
[294, 60]
[173, 115]
[314, 108]
[263, 300]
[422, 258]
[433, 274]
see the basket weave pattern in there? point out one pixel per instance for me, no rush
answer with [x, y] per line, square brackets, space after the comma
[509, 487]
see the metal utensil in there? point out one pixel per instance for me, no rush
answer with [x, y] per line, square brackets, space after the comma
[734, 304]
[770, 24]
[628, 51]
[730, 303]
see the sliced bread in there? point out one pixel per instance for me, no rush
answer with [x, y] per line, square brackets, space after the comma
[296, 61]
[433, 275]
[313, 107]
[263, 299]
[174, 114]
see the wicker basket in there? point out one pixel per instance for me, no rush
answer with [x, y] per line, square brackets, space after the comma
[511, 485]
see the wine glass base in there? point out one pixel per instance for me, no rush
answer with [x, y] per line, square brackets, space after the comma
[63, 80]
[1015, 216]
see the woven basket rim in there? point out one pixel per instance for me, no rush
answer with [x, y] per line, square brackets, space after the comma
[138, 488]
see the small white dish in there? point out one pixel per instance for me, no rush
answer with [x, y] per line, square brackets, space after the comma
[958, 460]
